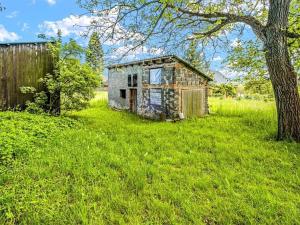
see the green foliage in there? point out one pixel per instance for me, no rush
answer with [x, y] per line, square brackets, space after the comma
[27, 90]
[196, 58]
[77, 84]
[120, 169]
[94, 54]
[69, 51]
[259, 86]
[22, 134]
[72, 84]
[294, 44]
[248, 57]
[225, 90]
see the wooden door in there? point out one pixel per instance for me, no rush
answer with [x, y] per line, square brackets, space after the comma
[133, 100]
[193, 102]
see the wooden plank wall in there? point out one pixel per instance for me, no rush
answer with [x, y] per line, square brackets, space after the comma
[22, 65]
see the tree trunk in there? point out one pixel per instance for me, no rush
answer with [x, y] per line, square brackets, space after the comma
[284, 83]
[282, 74]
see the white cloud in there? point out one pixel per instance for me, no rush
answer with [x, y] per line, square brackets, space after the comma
[104, 23]
[80, 25]
[70, 25]
[6, 35]
[25, 27]
[51, 2]
[231, 74]
[12, 15]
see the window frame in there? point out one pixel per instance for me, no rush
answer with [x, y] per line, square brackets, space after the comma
[160, 78]
[123, 93]
[134, 80]
[160, 92]
[129, 80]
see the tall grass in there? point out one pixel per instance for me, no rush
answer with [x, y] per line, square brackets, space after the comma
[113, 167]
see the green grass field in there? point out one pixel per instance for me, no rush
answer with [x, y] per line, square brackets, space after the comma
[100, 166]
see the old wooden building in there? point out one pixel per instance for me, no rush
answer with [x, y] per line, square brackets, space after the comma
[165, 87]
[22, 65]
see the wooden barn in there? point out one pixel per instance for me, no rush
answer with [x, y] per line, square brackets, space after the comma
[164, 87]
[22, 65]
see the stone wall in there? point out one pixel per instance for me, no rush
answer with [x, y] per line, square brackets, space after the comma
[187, 79]
[167, 92]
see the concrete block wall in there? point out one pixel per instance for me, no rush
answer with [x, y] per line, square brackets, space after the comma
[118, 79]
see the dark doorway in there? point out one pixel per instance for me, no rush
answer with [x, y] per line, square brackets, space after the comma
[133, 100]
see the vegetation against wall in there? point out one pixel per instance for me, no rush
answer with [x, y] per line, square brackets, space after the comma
[72, 83]
[22, 64]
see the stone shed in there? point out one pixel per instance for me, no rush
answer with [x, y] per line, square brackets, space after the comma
[164, 87]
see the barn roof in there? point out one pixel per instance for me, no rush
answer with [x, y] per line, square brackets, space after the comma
[162, 58]
[24, 43]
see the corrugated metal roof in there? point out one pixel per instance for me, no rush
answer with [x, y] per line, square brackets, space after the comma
[161, 57]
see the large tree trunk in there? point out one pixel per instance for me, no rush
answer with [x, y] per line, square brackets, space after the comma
[282, 74]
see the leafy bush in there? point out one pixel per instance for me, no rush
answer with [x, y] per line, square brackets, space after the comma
[70, 87]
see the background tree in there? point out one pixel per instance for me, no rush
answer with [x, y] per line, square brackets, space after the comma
[172, 22]
[225, 90]
[247, 58]
[94, 53]
[196, 57]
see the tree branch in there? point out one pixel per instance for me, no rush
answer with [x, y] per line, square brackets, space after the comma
[229, 17]
[292, 34]
[214, 29]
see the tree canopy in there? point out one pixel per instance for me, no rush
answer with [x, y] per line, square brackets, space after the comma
[170, 24]
[94, 53]
[194, 56]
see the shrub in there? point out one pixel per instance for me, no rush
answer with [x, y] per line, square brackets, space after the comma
[70, 86]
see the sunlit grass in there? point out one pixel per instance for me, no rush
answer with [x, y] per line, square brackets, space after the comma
[111, 167]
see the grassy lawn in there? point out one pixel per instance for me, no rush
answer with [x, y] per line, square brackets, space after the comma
[100, 166]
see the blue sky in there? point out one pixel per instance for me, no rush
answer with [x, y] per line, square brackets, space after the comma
[24, 17]
[23, 20]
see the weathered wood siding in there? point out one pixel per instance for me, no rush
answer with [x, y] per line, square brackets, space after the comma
[193, 102]
[22, 65]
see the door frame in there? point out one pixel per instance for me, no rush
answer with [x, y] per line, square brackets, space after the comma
[133, 100]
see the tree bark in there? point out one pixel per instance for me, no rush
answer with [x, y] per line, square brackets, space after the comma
[282, 74]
